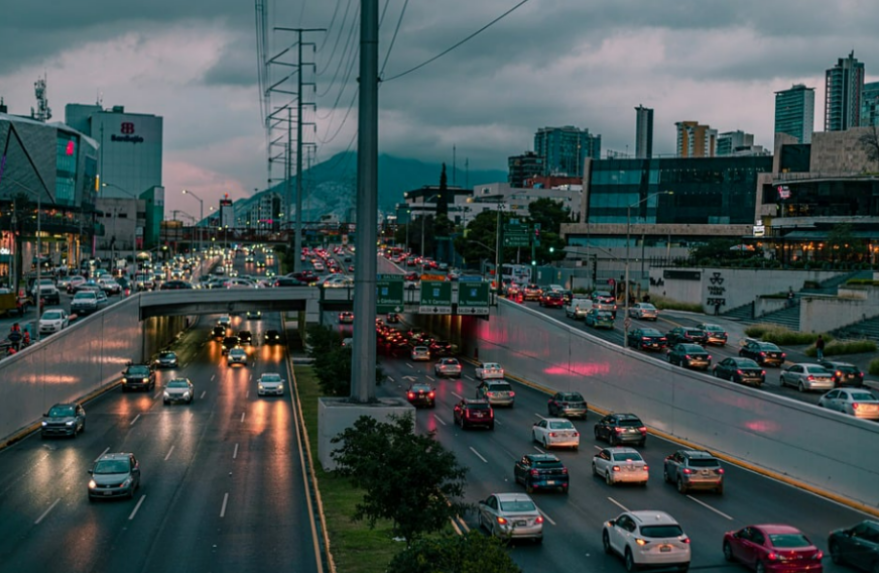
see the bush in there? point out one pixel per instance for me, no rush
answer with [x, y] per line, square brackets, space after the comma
[455, 554]
[663, 303]
[864, 282]
[839, 347]
[873, 369]
[783, 336]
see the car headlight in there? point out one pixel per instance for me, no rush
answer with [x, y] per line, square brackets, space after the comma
[280, 386]
[45, 423]
[186, 395]
[70, 423]
[165, 394]
[260, 386]
[92, 484]
[127, 481]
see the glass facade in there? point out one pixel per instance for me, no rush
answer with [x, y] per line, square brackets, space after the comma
[65, 165]
[826, 198]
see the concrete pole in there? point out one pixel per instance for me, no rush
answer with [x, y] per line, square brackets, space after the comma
[39, 291]
[363, 358]
[297, 241]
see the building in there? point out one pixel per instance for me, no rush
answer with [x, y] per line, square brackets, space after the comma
[695, 140]
[730, 142]
[870, 104]
[844, 84]
[261, 212]
[795, 112]
[516, 201]
[123, 220]
[550, 182]
[521, 167]
[643, 132]
[565, 149]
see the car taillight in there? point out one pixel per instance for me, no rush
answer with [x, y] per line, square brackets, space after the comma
[688, 471]
[618, 430]
[646, 468]
[552, 434]
[720, 471]
[564, 471]
[783, 355]
[643, 429]
[855, 405]
[763, 354]
[616, 468]
[491, 413]
[576, 434]
[687, 356]
[685, 540]
[644, 338]
[763, 372]
[431, 394]
[818, 555]
[709, 358]
[810, 377]
[538, 519]
[535, 473]
[511, 394]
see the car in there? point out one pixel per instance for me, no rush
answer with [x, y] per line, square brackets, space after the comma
[552, 299]
[772, 548]
[541, 471]
[219, 332]
[254, 315]
[47, 291]
[236, 356]
[577, 308]
[109, 285]
[555, 433]
[686, 334]
[65, 419]
[741, 371]
[857, 402]
[53, 320]
[138, 376]
[621, 428]
[496, 392]
[421, 394]
[88, 301]
[166, 359]
[392, 318]
[73, 282]
[567, 405]
[225, 320]
[598, 319]
[844, 373]
[604, 300]
[692, 470]
[114, 475]
[270, 383]
[229, 343]
[511, 516]
[447, 367]
[272, 337]
[620, 465]
[857, 546]
[421, 353]
[346, 317]
[644, 311]
[178, 390]
[807, 377]
[715, 334]
[690, 356]
[280, 282]
[245, 338]
[348, 342]
[488, 370]
[532, 292]
[647, 339]
[469, 413]
[763, 353]
[647, 539]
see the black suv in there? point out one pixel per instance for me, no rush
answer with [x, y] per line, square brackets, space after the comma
[858, 545]
[469, 413]
[844, 374]
[567, 404]
[687, 335]
[219, 332]
[245, 337]
[272, 337]
[541, 471]
[137, 377]
[63, 420]
[229, 343]
[421, 394]
[621, 429]
[763, 353]
[647, 339]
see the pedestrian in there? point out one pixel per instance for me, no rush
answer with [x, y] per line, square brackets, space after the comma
[819, 347]
[790, 296]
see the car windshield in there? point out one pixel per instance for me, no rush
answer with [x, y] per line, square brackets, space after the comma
[112, 467]
[82, 295]
[662, 531]
[271, 377]
[478, 405]
[518, 505]
[138, 371]
[745, 363]
[629, 423]
[450, 362]
[650, 332]
[236, 352]
[61, 411]
[788, 540]
[52, 315]
[703, 463]
[572, 397]
[178, 383]
[768, 346]
[499, 388]
[712, 328]
[627, 456]
[420, 349]
[544, 464]
[168, 355]
[691, 348]
[561, 425]
[603, 314]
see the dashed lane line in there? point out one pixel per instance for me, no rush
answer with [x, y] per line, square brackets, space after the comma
[472, 449]
[168, 455]
[45, 513]
[235, 452]
[618, 504]
[136, 418]
[706, 506]
[136, 507]
[225, 501]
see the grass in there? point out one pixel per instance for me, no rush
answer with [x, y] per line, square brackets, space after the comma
[663, 303]
[839, 347]
[355, 547]
[783, 336]
[874, 367]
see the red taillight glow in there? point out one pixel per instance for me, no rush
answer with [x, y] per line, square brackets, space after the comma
[411, 395]
[564, 471]
[618, 430]
[552, 434]
[535, 473]
[431, 394]
[538, 519]
[616, 468]
[720, 470]
[643, 430]
[688, 471]
[855, 405]
[502, 520]
[818, 556]
[685, 540]
[646, 468]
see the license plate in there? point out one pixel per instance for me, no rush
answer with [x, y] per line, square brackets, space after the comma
[550, 482]
[108, 493]
[665, 548]
[521, 523]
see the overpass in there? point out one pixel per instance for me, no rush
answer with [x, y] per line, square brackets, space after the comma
[191, 302]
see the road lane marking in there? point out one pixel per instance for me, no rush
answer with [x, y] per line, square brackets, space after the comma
[539, 450]
[409, 365]
[498, 422]
[168, 455]
[203, 392]
[242, 416]
[456, 395]
[136, 507]
[472, 449]
[539, 416]
[438, 419]
[546, 517]
[599, 448]
[104, 452]
[235, 452]
[225, 501]
[213, 376]
[251, 378]
[468, 377]
[409, 378]
[706, 506]
[247, 394]
[618, 504]
[429, 378]
[45, 513]
[136, 418]
[391, 380]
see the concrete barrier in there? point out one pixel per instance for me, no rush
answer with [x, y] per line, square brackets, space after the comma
[826, 450]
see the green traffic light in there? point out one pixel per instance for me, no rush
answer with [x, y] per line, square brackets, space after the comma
[552, 249]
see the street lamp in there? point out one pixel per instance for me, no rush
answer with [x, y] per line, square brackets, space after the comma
[201, 214]
[628, 234]
[134, 234]
[37, 289]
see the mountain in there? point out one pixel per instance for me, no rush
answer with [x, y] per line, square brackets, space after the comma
[331, 186]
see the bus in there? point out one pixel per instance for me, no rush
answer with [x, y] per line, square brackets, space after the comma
[518, 274]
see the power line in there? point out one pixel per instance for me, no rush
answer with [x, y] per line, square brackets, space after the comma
[339, 36]
[330, 25]
[446, 51]
[394, 38]
[344, 119]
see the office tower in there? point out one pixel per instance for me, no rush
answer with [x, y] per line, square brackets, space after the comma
[643, 132]
[565, 149]
[870, 104]
[795, 112]
[522, 167]
[695, 140]
[729, 142]
[844, 84]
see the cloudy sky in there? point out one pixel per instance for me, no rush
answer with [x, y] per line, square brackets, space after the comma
[586, 63]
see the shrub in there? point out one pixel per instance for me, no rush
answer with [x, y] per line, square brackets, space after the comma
[873, 369]
[783, 336]
[757, 330]
[838, 347]
[663, 303]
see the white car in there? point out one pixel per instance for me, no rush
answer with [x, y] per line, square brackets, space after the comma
[577, 308]
[178, 390]
[647, 539]
[807, 377]
[421, 353]
[489, 370]
[270, 383]
[236, 356]
[857, 402]
[555, 433]
[53, 320]
[447, 367]
[224, 320]
[620, 465]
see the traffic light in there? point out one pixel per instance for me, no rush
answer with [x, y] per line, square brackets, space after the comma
[552, 249]
[537, 235]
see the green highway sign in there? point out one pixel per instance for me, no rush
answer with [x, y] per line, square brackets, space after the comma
[436, 297]
[389, 295]
[517, 236]
[473, 298]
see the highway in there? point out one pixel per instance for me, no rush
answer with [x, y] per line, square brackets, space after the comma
[222, 483]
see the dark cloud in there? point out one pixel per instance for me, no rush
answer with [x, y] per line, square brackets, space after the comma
[237, 64]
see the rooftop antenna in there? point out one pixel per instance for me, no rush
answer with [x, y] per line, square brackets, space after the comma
[99, 101]
[43, 111]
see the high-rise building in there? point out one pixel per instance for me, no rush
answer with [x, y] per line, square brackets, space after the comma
[643, 132]
[695, 140]
[522, 167]
[565, 149]
[795, 112]
[870, 104]
[731, 141]
[842, 98]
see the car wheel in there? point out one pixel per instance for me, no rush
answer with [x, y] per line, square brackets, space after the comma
[534, 437]
[800, 387]
[545, 445]
[607, 477]
[835, 555]
[681, 487]
[605, 542]
[760, 567]
[631, 567]
[727, 551]
[684, 568]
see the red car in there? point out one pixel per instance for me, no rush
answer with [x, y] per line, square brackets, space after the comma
[552, 298]
[772, 549]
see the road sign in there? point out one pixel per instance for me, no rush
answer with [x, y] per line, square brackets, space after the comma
[516, 236]
[473, 298]
[389, 296]
[436, 298]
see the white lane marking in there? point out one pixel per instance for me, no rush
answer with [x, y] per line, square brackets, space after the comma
[213, 376]
[136, 507]
[168, 455]
[136, 418]
[251, 378]
[472, 449]
[247, 394]
[45, 513]
[468, 377]
[548, 518]
[105, 451]
[438, 419]
[225, 501]
[599, 448]
[242, 416]
[706, 506]
[409, 378]
[456, 395]
[391, 379]
[618, 504]
[235, 452]
[539, 450]
[409, 365]
[539, 416]
[429, 378]
[463, 524]
[203, 392]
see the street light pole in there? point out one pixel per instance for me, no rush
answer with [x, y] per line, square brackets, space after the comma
[201, 220]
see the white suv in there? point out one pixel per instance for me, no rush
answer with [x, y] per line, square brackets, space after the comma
[647, 538]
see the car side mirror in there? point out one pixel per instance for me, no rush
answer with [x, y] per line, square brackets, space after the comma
[46, 415]
[612, 522]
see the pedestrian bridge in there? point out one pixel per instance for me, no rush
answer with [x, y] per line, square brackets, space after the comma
[228, 301]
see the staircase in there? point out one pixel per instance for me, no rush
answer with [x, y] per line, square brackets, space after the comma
[788, 317]
[831, 285]
[744, 312]
[865, 329]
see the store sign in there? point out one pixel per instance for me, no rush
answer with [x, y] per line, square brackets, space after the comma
[783, 192]
[759, 230]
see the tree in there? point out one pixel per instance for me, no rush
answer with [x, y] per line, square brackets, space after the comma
[332, 362]
[718, 250]
[550, 215]
[407, 478]
[479, 240]
[468, 553]
[843, 245]
[869, 140]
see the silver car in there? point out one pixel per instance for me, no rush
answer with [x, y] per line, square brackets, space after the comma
[807, 377]
[496, 392]
[511, 516]
[447, 367]
[179, 390]
[63, 420]
[236, 356]
[114, 475]
[644, 311]
[852, 401]
[270, 383]
[421, 353]
[620, 465]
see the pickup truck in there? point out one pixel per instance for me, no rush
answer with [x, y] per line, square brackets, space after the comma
[489, 370]
[47, 291]
[88, 301]
[577, 308]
